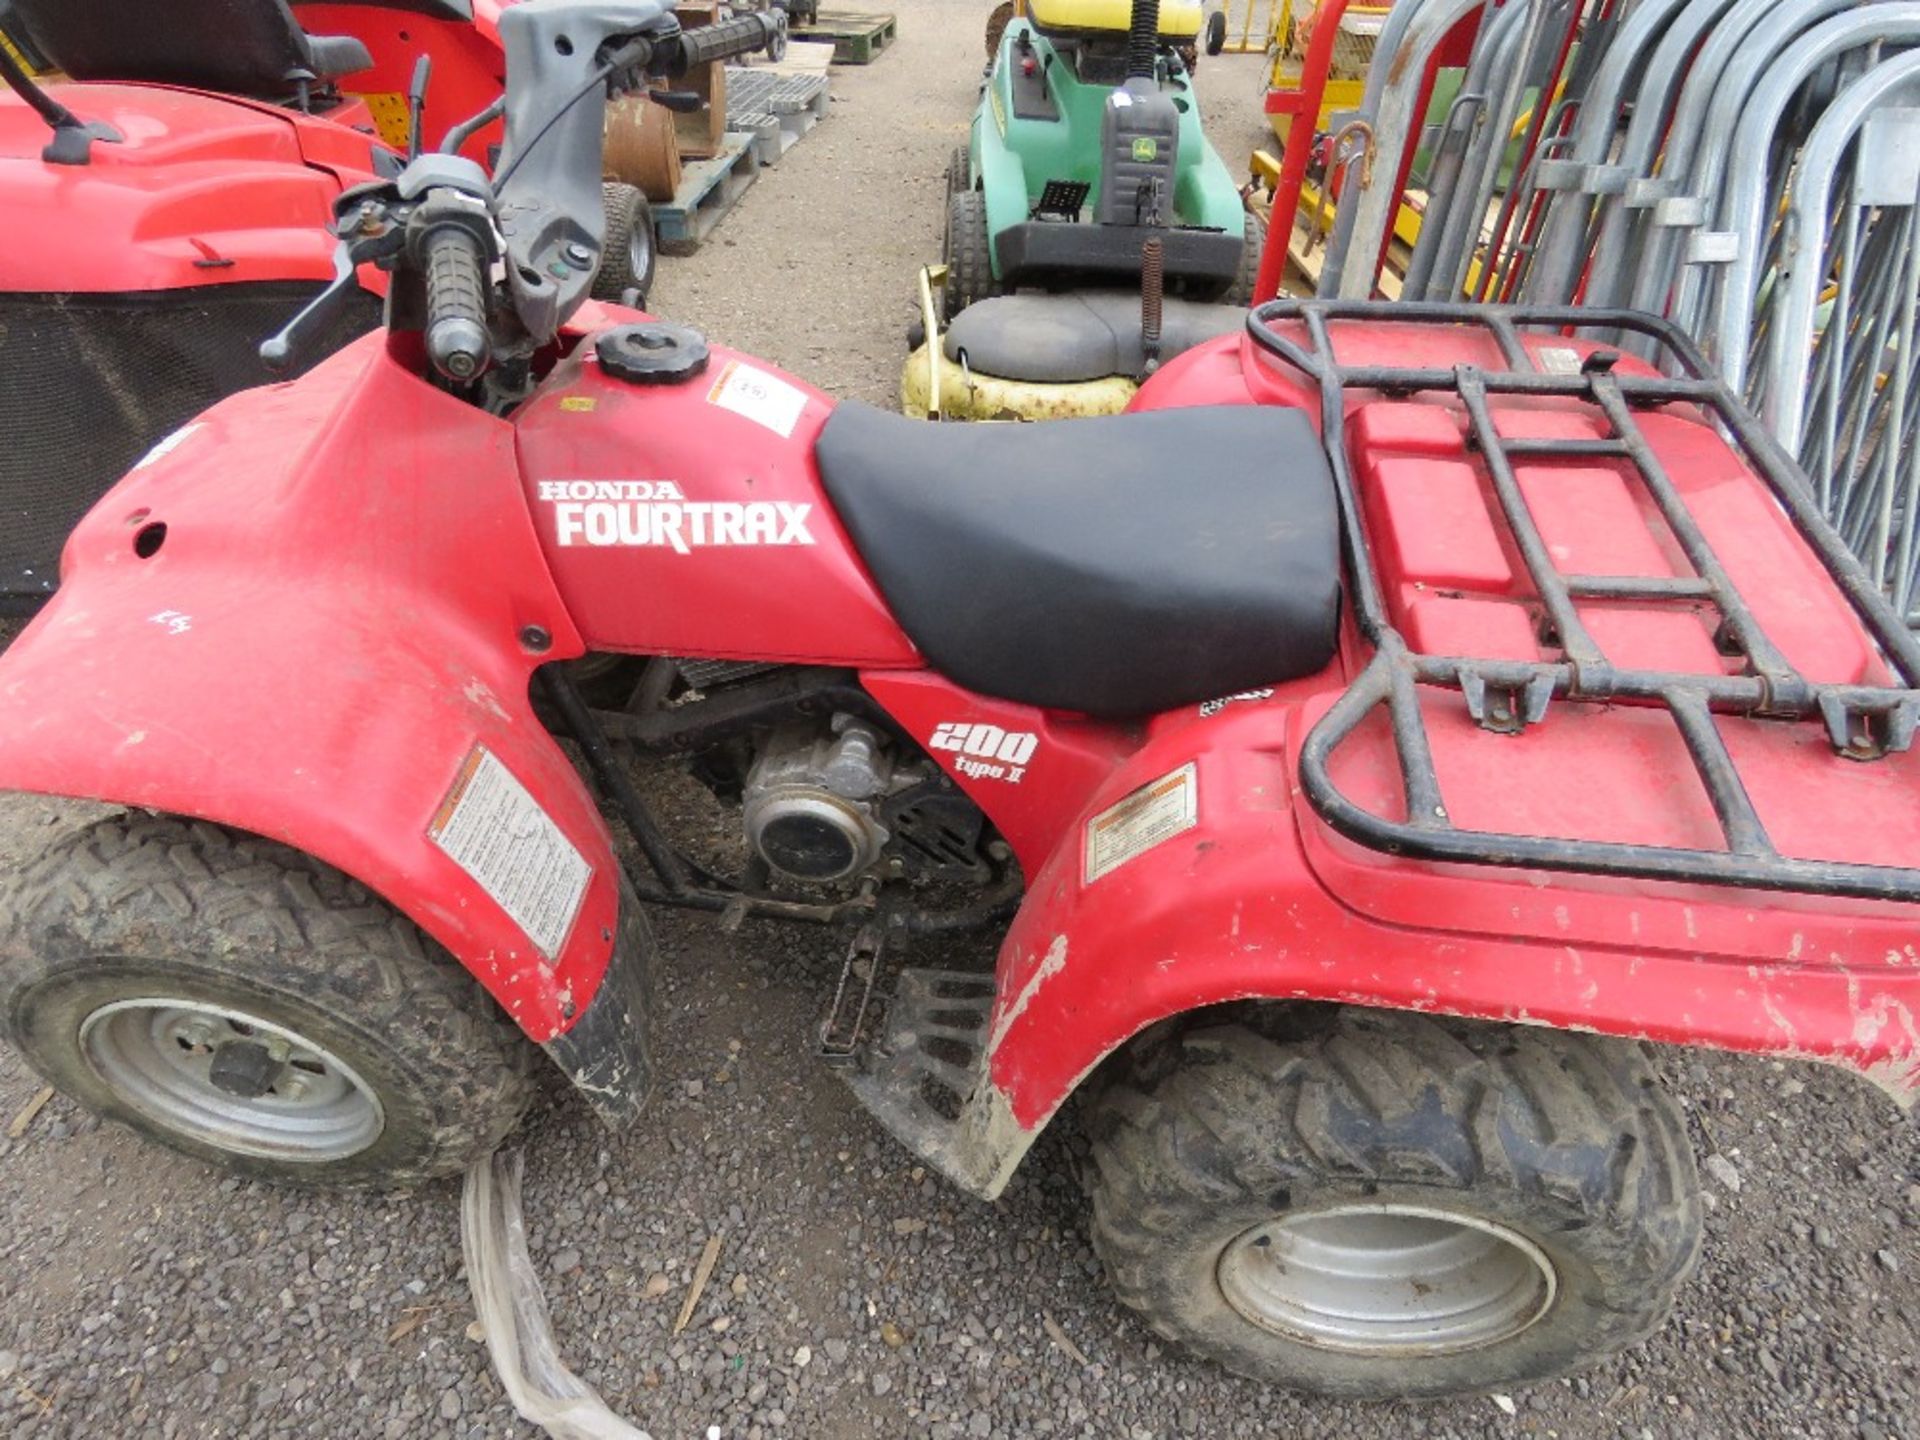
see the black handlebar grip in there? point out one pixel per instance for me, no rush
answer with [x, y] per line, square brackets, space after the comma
[457, 341]
[741, 35]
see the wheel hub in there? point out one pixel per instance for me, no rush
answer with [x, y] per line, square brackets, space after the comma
[232, 1080]
[1386, 1279]
[243, 1069]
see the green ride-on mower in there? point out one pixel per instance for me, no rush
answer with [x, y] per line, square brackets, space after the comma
[1087, 172]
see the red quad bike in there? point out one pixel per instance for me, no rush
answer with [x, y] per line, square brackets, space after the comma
[1365, 748]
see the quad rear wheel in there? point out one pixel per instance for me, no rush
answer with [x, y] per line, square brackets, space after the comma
[244, 1003]
[1377, 1205]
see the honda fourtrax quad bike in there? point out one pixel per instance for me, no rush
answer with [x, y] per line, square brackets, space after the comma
[1353, 812]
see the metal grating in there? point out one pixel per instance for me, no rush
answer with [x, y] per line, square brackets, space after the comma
[1862, 722]
[1061, 200]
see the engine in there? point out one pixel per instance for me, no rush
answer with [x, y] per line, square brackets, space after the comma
[831, 802]
[812, 801]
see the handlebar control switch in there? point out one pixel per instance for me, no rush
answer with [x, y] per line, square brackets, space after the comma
[652, 354]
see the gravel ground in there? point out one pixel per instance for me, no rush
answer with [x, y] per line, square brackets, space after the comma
[857, 1296]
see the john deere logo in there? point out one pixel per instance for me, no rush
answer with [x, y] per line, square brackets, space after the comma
[1145, 148]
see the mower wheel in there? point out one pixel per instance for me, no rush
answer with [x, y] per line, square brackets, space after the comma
[967, 253]
[1375, 1205]
[628, 261]
[1241, 291]
[1216, 34]
[959, 171]
[246, 1004]
[998, 19]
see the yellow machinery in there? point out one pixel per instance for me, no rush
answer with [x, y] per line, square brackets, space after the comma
[1287, 40]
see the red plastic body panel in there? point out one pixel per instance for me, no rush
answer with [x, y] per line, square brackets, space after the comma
[469, 67]
[1242, 906]
[202, 189]
[677, 526]
[1031, 802]
[325, 633]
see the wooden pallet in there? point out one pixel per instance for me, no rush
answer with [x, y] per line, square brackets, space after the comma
[856, 38]
[708, 190]
[776, 109]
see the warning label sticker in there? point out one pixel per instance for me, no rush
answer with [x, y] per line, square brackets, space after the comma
[764, 399]
[1150, 815]
[494, 830]
[1559, 359]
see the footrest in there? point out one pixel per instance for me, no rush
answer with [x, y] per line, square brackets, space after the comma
[918, 1072]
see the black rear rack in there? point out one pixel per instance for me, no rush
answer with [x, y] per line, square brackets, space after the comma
[1863, 722]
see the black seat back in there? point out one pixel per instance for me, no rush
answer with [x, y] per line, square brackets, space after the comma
[241, 47]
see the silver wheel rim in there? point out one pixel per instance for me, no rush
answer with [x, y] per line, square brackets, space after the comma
[158, 1055]
[639, 250]
[1389, 1280]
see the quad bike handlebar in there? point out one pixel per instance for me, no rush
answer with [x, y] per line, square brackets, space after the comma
[441, 225]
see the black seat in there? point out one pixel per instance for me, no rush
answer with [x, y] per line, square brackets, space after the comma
[238, 47]
[1118, 566]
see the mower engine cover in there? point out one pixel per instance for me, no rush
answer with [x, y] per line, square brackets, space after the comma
[1179, 19]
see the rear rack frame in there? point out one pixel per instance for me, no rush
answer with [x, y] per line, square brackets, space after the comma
[1862, 722]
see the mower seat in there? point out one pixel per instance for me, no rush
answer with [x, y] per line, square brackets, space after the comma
[1179, 19]
[1118, 566]
[236, 47]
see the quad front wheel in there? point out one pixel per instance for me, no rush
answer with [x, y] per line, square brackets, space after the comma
[250, 1006]
[1377, 1205]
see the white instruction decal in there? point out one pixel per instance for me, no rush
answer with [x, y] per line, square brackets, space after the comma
[986, 752]
[1150, 815]
[495, 831]
[764, 399]
[658, 513]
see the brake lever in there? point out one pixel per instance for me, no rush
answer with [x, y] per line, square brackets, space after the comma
[279, 352]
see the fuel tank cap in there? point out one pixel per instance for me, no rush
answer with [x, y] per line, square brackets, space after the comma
[654, 353]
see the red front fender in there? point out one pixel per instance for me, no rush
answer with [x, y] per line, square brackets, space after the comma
[300, 616]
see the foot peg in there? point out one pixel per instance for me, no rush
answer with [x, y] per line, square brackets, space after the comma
[841, 1031]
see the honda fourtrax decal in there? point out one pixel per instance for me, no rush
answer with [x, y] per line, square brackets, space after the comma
[658, 513]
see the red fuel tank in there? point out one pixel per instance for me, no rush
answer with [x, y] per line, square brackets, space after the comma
[685, 516]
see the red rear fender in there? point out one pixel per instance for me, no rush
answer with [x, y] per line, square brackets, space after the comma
[341, 612]
[1223, 902]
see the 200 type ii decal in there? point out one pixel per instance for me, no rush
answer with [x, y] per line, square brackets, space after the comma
[658, 513]
[986, 752]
